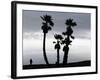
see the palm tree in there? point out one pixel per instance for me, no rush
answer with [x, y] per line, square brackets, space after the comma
[67, 41]
[57, 45]
[46, 26]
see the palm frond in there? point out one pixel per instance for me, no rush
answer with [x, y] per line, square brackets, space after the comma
[64, 33]
[51, 23]
[74, 24]
[49, 28]
[54, 42]
[58, 36]
[72, 37]
[42, 18]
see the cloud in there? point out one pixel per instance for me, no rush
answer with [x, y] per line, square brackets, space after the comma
[34, 35]
[83, 34]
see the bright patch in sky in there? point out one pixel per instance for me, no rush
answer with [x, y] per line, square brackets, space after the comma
[32, 48]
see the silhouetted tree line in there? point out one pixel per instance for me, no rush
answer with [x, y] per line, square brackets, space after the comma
[61, 39]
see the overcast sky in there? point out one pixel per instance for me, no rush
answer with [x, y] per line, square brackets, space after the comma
[33, 36]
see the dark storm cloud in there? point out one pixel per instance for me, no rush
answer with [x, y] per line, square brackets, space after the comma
[32, 22]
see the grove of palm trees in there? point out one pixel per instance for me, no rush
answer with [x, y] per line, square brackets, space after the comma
[61, 41]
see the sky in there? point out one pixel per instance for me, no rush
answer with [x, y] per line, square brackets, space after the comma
[80, 49]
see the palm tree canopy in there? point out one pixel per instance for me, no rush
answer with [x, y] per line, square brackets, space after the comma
[47, 24]
[57, 46]
[58, 36]
[65, 41]
[48, 19]
[70, 22]
[45, 28]
[68, 31]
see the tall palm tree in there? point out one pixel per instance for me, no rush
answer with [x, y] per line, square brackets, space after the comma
[46, 26]
[68, 35]
[57, 45]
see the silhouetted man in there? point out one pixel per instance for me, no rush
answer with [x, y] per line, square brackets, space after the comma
[31, 61]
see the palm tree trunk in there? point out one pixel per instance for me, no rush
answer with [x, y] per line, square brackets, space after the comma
[44, 51]
[65, 59]
[66, 50]
[57, 56]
